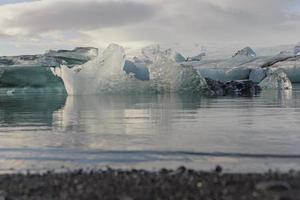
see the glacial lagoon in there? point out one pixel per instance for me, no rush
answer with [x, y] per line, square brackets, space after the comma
[55, 131]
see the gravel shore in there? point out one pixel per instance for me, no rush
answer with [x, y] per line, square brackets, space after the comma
[141, 184]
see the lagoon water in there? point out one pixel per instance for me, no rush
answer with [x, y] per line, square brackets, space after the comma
[53, 132]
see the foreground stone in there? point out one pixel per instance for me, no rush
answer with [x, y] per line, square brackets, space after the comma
[141, 184]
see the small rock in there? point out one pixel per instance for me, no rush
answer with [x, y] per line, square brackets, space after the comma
[275, 186]
[2, 195]
[126, 198]
[218, 169]
[181, 170]
[199, 185]
[285, 198]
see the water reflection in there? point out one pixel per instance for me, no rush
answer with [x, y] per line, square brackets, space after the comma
[124, 122]
[172, 122]
[29, 109]
[284, 98]
[117, 112]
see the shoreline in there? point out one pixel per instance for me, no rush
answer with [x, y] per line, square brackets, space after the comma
[181, 183]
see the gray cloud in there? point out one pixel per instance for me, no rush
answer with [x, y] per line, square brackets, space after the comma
[80, 15]
[252, 22]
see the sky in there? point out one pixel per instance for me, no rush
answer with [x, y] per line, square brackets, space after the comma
[33, 26]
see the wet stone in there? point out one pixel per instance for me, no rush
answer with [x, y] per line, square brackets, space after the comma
[276, 186]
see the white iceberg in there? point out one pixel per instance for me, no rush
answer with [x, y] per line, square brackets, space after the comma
[106, 74]
[98, 74]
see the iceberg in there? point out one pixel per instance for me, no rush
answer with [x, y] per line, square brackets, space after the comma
[101, 73]
[32, 73]
[240, 58]
[140, 71]
[276, 79]
[106, 73]
[225, 74]
[282, 56]
[84, 70]
[52, 58]
[245, 65]
[196, 58]
[28, 60]
[168, 75]
[246, 52]
[234, 68]
[79, 55]
[150, 53]
[260, 66]
[175, 55]
[291, 67]
[297, 49]
[29, 78]
[257, 74]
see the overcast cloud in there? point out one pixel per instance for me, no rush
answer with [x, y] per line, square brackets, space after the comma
[136, 22]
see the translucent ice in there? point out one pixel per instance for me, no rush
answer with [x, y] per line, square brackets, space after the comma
[291, 67]
[106, 74]
[276, 79]
[257, 74]
[150, 53]
[101, 73]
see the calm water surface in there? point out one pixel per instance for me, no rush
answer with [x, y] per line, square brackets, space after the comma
[41, 132]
